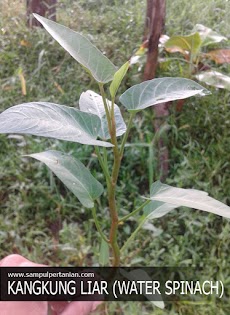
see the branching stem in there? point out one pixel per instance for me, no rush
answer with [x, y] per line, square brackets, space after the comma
[132, 236]
[111, 184]
[112, 180]
[134, 212]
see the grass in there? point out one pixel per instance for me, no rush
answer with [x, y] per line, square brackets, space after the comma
[41, 220]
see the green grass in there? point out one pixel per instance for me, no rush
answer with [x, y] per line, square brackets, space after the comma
[41, 220]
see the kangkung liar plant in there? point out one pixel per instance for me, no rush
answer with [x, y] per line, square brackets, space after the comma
[98, 122]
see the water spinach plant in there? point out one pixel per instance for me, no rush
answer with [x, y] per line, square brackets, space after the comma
[98, 122]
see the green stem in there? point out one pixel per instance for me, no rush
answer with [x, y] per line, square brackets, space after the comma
[112, 197]
[118, 154]
[126, 133]
[114, 228]
[105, 157]
[112, 106]
[102, 91]
[134, 212]
[132, 236]
[111, 185]
[104, 165]
[191, 65]
[98, 225]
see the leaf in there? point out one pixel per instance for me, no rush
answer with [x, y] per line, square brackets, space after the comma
[92, 102]
[73, 174]
[81, 49]
[104, 253]
[208, 36]
[157, 209]
[118, 77]
[52, 120]
[191, 198]
[219, 55]
[184, 44]
[215, 79]
[158, 91]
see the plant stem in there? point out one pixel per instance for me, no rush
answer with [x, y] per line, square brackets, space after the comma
[102, 91]
[105, 157]
[126, 133]
[118, 154]
[98, 225]
[114, 227]
[132, 236]
[111, 185]
[104, 165]
[112, 197]
[134, 212]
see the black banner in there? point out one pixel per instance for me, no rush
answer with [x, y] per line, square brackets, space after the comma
[105, 284]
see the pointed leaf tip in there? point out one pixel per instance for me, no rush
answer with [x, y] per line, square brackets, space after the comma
[158, 91]
[192, 198]
[118, 77]
[81, 49]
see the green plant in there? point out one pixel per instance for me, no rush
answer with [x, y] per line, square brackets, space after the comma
[100, 117]
[193, 47]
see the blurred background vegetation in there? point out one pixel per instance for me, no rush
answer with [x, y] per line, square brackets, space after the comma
[43, 221]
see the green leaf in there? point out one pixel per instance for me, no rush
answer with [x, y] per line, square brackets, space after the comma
[81, 49]
[92, 102]
[184, 44]
[215, 79]
[118, 77]
[208, 36]
[104, 253]
[52, 120]
[73, 174]
[158, 91]
[191, 198]
[157, 209]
